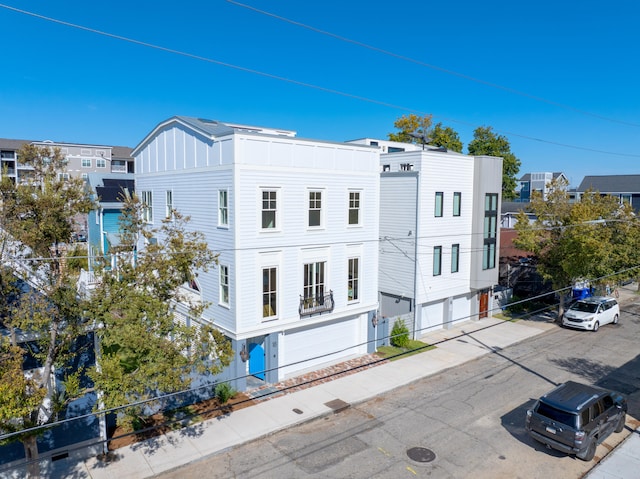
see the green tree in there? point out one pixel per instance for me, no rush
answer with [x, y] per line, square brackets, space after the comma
[412, 129]
[144, 351]
[595, 239]
[486, 142]
[446, 137]
[36, 216]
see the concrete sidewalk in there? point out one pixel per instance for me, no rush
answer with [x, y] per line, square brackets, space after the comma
[454, 347]
[167, 452]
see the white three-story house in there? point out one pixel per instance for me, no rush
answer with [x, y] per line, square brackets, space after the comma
[295, 223]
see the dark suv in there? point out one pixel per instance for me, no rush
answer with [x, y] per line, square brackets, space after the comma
[574, 418]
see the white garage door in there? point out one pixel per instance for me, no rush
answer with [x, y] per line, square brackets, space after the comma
[309, 347]
[461, 310]
[432, 317]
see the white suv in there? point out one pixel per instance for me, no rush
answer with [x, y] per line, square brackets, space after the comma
[591, 313]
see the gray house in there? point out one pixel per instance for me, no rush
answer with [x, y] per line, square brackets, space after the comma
[624, 187]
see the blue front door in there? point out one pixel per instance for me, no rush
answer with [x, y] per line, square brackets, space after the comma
[256, 361]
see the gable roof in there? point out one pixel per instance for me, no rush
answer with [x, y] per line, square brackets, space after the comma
[556, 174]
[611, 184]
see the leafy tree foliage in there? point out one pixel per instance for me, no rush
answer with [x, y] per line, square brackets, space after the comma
[144, 351]
[486, 142]
[36, 218]
[418, 130]
[596, 238]
[446, 137]
[412, 129]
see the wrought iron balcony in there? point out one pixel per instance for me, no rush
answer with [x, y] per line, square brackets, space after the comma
[316, 304]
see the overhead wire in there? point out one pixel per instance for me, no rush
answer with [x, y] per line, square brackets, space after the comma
[429, 65]
[299, 82]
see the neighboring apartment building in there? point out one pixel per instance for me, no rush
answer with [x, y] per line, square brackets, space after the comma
[295, 222]
[439, 230]
[82, 159]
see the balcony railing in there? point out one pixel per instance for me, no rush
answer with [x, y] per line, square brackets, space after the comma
[316, 304]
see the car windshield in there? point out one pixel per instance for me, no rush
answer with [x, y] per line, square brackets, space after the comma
[585, 307]
[557, 415]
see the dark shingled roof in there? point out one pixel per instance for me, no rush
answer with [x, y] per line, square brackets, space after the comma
[611, 184]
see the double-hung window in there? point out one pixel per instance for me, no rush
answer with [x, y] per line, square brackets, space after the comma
[455, 258]
[439, 202]
[223, 208]
[315, 208]
[224, 285]
[86, 162]
[269, 209]
[490, 230]
[147, 206]
[437, 260]
[457, 201]
[354, 207]
[269, 292]
[101, 163]
[353, 280]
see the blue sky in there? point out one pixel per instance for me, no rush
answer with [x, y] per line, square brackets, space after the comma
[578, 59]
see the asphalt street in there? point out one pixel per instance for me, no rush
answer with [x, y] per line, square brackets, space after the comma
[468, 420]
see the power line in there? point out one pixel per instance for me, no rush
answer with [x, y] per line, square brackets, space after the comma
[298, 82]
[429, 65]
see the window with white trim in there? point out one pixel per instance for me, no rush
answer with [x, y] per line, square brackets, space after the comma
[169, 203]
[354, 207]
[353, 281]
[314, 282]
[86, 162]
[147, 206]
[269, 209]
[223, 208]
[315, 208]
[269, 293]
[224, 285]
[101, 163]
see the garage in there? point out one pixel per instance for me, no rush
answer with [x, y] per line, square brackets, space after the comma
[306, 348]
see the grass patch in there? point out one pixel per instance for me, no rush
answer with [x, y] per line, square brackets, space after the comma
[413, 347]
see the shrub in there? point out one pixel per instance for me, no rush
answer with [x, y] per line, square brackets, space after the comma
[400, 334]
[224, 392]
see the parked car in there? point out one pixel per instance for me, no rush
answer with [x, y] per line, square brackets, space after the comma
[574, 418]
[591, 313]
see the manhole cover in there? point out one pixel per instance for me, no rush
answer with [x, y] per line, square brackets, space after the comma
[421, 454]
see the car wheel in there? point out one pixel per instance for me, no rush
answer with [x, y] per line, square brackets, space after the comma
[596, 326]
[620, 425]
[589, 452]
[615, 319]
